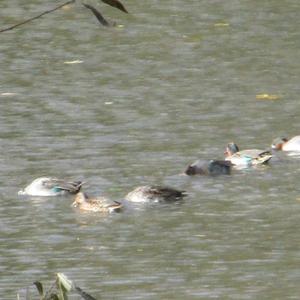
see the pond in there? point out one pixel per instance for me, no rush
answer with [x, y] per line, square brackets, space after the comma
[134, 105]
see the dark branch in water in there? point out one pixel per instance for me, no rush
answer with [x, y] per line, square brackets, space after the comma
[36, 17]
[84, 294]
[116, 4]
[97, 14]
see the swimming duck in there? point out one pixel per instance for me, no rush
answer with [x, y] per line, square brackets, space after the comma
[50, 186]
[246, 158]
[285, 144]
[149, 193]
[211, 167]
[98, 204]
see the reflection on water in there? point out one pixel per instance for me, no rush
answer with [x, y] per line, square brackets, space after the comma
[170, 87]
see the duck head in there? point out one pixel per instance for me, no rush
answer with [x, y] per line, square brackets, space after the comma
[278, 143]
[231, 149]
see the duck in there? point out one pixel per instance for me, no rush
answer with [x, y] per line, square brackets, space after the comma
[285, 144]
[211, 167]
[246, 158]
[51, 186]
[154, 193]
[96, 204]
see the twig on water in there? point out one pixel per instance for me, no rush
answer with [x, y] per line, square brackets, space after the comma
[38, 16]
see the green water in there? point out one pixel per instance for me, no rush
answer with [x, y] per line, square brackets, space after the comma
[176, 83]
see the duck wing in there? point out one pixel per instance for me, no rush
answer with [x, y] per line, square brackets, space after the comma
[166, 193]
[217, 167]
[264, 157]
[255, 155]
[115, 207]
[104, 205]
[72, 187]
[212, 167]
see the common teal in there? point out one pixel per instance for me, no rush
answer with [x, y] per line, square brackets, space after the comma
[285, 144]
[209, 167]
[246, 158]
[149, 193]
[97, 204]
[50, 186]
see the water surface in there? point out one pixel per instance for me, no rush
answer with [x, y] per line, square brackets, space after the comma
[175, 84]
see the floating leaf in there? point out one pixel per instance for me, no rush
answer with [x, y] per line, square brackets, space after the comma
[67, 7]
[221, 24]
[267, 97]
[62, 293]
[192, 38]
[72, 62]
[64, 282]
[8, 94]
